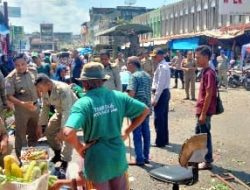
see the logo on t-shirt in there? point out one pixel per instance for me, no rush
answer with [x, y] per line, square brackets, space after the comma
[105, 109]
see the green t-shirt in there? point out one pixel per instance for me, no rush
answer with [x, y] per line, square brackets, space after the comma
[100, 115]
[44, 68]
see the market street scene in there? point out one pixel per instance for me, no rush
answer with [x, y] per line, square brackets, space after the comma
[124, 95]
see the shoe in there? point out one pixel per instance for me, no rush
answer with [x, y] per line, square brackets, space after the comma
[193, 99]
[175, 86]
[146, 161]
[57, 156]
[205, 166]
[186, 98]
[131, 163]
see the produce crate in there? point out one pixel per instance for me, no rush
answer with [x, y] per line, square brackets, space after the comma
[39, 184]
[32, 150]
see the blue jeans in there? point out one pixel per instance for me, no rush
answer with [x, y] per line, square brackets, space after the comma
[140, 134]
[205, 128]
[161, 119]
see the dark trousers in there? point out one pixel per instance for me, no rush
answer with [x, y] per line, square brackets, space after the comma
[178, 74]
[141, 137]
[205, 128]
[161, 119]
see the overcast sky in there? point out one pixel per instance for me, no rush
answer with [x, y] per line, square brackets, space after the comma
[66, 15]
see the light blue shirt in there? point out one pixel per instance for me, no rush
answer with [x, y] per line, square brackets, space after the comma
[161, 80]
[125, 76]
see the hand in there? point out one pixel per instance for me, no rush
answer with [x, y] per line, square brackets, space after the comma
[202, 119]
[125, 136]
[153, 103]
[30, 106]
[85, 147]
[4, 146]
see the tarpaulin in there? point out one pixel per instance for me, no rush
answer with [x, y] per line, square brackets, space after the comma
[185, 43]
[3, 29]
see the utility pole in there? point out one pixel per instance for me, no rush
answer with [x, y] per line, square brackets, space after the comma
[6, 20]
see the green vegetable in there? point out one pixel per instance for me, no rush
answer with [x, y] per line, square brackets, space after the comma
[28, 174]
[36, 173]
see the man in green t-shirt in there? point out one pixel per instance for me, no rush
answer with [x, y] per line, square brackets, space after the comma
[99, 114]
[42, 67]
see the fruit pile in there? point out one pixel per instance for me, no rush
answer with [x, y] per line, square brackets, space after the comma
[27, 173]
[34, 154]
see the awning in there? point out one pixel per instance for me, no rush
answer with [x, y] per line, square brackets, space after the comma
[125, 30]
[3, 29]
[223, 34]
[185, 43]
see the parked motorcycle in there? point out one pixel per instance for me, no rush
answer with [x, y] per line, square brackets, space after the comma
[239, 78]
[246, 80]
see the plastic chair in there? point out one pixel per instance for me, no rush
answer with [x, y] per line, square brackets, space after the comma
[193, 152]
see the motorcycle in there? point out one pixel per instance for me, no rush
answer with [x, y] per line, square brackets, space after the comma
[246, 80]
[239, 78]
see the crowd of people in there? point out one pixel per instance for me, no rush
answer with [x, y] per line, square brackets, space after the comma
[39, 89]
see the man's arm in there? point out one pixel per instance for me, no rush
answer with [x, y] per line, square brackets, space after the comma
[135, 123]
[69, 135]
[29, 105]
[206, 105]
[117, 79]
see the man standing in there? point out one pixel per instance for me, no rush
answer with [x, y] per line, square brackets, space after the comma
[76, 67]
[61, 97]
[21, 91]
[114, 83]
[146, 63]
[139, 87]
[99, 114]
[119, 61]
[176, 62]
[222, 68]
[189, 68]
[161, 97]
[206, 102]
[42, 67]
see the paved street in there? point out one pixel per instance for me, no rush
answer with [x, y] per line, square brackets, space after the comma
[230, 131]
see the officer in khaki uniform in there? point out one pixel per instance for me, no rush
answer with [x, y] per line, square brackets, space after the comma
[20, 90]
[59, 95]
[114, 83]
[189, 68]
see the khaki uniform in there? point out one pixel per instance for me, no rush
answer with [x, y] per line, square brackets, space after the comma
[114, 82]
[222, 70]
[189, 77]
[21, 86]
[62, 98]
[147, 66]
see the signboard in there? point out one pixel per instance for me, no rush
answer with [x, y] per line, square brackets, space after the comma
[234, 7]
[12, 11]
[46, 32]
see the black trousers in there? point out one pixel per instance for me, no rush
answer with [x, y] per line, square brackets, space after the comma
[178, 74]
[161, 119]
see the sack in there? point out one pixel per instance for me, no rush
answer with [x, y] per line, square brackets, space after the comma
[219, 105]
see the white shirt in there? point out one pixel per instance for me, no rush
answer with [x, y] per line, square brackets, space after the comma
[161, 80]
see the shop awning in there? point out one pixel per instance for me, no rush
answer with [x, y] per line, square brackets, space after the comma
[185, 43]
[3, 29]
[125, 30]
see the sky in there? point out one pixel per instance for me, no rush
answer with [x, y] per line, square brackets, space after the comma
[66, 15]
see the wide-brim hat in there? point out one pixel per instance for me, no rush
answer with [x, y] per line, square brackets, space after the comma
[93, 71]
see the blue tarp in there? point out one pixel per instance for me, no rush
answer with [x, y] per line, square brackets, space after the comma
[3, 29]
[185, 44]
